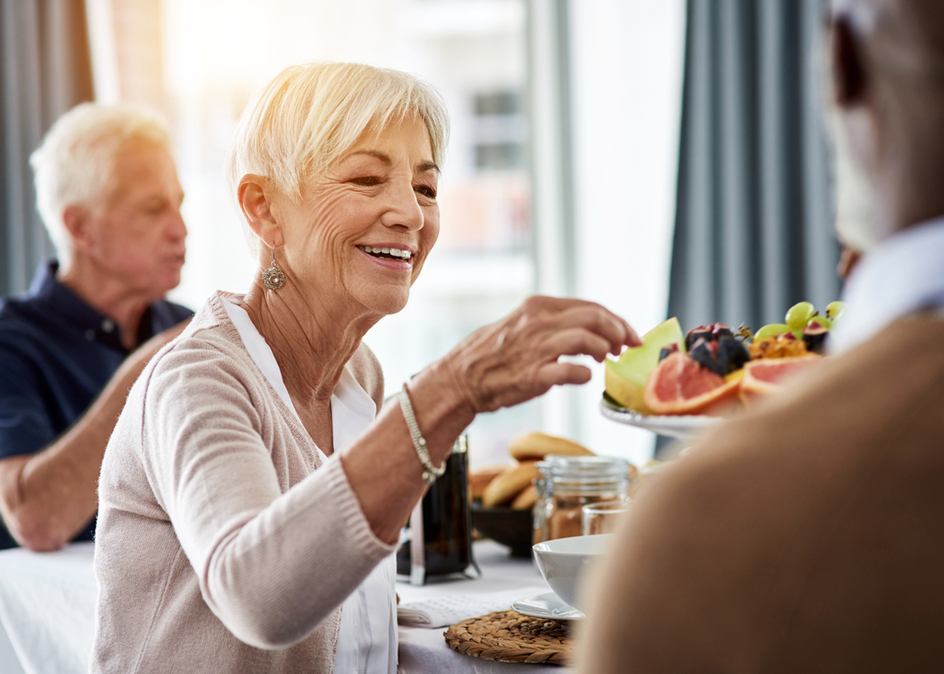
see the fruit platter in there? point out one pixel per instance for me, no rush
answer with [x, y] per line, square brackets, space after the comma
[682, 427]
[677, 384]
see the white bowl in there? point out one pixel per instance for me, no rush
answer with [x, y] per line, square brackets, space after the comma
[563, 561]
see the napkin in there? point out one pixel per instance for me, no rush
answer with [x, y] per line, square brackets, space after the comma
[451, 609]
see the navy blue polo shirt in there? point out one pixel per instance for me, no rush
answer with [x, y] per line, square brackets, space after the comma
[56, 355]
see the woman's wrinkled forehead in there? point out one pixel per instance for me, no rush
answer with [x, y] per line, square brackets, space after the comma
[373, 140]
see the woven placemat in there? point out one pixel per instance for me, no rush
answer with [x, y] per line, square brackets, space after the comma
[508, 636]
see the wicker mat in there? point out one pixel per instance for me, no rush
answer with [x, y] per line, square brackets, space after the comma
[509, 636]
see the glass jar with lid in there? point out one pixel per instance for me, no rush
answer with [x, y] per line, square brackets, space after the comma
[567, 483]
[539, 510]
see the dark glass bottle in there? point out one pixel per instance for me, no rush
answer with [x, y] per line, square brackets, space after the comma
[444, 518]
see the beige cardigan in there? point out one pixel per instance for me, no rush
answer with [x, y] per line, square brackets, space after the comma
[223, 544]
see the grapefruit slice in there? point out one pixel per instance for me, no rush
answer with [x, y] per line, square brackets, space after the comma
[626, 378]
[766, 376]
[679, 385]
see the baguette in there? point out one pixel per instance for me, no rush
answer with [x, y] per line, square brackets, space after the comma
[506, 486]
[535, 446]
[481, 478]
[526, 498]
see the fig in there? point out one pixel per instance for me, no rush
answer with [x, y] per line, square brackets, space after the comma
[667, 351]
[711, 333]
[721, 356]
[702, 332]
[814, 336]
[733, 354]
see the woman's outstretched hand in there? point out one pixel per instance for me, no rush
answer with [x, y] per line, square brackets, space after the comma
[503, 364]
[517, 358]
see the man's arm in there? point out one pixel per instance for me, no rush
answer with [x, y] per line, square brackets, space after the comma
[48, 497]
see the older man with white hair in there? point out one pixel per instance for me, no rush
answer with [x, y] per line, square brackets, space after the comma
[71, 347]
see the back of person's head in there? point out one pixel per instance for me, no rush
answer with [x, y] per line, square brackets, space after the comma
[902, 42]
[914, 24]
[310, 114]
[887, 60]
[75, 164]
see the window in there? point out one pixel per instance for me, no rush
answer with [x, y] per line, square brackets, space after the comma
[559, 178]
[219, 52]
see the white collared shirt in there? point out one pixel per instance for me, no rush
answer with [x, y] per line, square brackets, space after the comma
[367, 642]
[903, 274]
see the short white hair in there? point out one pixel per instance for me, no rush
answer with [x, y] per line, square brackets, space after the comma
[75, 164]
[310, 114]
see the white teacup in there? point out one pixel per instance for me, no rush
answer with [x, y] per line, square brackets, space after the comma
[563, 561]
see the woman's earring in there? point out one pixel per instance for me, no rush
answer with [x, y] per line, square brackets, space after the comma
[273, 278]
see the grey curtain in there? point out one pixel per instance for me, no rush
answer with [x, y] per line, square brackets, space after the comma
[754, 216]
[45, 69]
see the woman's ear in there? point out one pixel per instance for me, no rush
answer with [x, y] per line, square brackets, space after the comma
[255, 196]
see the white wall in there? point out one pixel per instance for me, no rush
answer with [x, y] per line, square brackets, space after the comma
[627, 58]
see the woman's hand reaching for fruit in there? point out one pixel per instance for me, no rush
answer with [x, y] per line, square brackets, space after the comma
[519, 357]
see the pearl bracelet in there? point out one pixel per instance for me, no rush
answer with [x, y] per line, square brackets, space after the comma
[430, 472]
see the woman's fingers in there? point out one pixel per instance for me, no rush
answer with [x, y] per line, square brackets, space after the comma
[516, 359]
[510, 388]
[538, 326]
[556, 374]
[595, 318]
[633, 338]
[574, 342]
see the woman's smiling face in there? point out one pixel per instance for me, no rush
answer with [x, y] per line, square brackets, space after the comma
[363, 230]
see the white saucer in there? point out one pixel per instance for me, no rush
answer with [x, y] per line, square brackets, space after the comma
[547, 605]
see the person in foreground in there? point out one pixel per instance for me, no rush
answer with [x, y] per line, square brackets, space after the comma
[71, 347]
[805, 536]
[255, 488]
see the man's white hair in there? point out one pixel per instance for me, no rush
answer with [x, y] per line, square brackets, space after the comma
[310, 114]
[75, 164]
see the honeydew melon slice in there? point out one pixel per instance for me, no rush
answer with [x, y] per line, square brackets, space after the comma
[625, 378]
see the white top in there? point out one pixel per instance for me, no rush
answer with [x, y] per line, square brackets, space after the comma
[903, 274]
[367, 643]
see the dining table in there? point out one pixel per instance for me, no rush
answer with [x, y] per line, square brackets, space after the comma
[47, 611]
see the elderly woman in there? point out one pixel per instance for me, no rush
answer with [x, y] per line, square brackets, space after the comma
[254, 488]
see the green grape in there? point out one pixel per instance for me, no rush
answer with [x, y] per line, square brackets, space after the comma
[822, 320]
[799, 315]
[834, 309]
[771, 330]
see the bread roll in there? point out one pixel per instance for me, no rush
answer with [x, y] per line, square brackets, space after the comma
[535, 446]
[526, 498]
[506, 486]
[480, 479]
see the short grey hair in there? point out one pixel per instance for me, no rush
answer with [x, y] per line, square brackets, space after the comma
[76, 162]
[310, 114]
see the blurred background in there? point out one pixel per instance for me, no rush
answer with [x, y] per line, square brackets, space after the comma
[661, 158]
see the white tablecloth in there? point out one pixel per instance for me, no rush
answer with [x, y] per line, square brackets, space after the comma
[47, 605]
